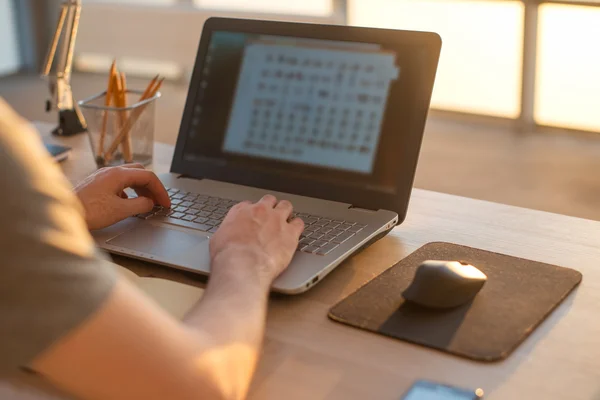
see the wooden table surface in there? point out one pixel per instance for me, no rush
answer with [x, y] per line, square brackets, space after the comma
[307, 356]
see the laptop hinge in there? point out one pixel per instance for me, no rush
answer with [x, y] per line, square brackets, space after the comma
[361, 209]
[183, 176]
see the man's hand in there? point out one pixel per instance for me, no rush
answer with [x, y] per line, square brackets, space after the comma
[105, 202]
[260, 231]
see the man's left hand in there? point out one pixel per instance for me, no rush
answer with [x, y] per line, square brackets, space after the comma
[105, 202]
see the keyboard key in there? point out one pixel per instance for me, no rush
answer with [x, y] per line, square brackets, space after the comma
[203, 227]
[217, 214]
[189, 217]
[213, 229]
[326, 220]
[315, 235]
[189, 197]
[356, 228]
[164, 212]
[191, 211]
[172, 190]
[332, 225]
[345, 226]
[212, 222]
[324, 230]
[338, 222]
[328, 238]
[319, 243]
[312, 220]
[307, 220]
[197, 201]
[146, 215]
[200, 220]
[327, 249]
[198, 206]
[187, 204]
[209, 208]
[310, 249]
[304, 234]
[306, 241]
[336, 232]
[320, 223]
[222, 210]
[343, 237]
[180, 209]
[311, 228]
[203, 213]
[177, 215]
[178, 196]
[174, 202]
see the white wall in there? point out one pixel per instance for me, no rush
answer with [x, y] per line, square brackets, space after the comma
[9, 52]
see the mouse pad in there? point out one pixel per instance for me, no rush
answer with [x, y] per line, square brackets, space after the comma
[518, 295]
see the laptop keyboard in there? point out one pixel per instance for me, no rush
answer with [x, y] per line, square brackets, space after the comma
[205, 213]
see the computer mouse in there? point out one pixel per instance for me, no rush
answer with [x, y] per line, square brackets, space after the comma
[444, 284]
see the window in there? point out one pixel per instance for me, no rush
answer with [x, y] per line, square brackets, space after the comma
[568, 67]
[480, 65]
[9, 53]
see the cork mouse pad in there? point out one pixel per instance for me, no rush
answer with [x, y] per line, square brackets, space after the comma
[517, 297]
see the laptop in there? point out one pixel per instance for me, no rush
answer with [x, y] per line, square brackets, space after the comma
[330, 118]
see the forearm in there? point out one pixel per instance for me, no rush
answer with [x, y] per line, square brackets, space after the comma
[232, 314]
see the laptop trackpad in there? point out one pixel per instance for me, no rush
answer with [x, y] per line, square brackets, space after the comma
[158, 241]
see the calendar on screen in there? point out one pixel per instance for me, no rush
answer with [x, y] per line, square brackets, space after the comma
[311, 103]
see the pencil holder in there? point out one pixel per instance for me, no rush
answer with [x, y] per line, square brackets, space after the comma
[120, 135]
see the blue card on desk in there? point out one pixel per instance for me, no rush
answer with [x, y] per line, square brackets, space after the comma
[58, 152]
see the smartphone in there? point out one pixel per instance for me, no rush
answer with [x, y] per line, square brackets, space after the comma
[425, 390]
[59, 153]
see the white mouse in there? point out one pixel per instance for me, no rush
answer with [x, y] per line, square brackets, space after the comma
[444, 284]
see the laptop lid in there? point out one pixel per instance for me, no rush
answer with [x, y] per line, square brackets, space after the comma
[331, 112]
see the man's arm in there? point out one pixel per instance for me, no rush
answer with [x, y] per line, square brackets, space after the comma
[65, 313]
[131, 349]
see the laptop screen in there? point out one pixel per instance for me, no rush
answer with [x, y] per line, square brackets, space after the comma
[305, 106]
[326, 111]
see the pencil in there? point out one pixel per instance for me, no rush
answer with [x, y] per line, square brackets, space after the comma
[150, 92]
[118, 100]
[126, 144]
[149, 88]
[107, 102]
[157, 88]
[117, 93]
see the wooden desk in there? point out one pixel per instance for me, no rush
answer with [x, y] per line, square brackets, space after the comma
[307, 356]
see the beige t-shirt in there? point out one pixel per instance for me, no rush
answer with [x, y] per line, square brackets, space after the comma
[51, 276]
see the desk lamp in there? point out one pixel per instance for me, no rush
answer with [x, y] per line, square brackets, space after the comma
[70, 119]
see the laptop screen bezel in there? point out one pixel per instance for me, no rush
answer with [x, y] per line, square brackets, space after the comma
[428, 46]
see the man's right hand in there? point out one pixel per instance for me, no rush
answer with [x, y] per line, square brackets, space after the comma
[261, 231]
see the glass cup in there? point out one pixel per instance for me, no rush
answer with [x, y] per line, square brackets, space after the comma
[120, 135]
